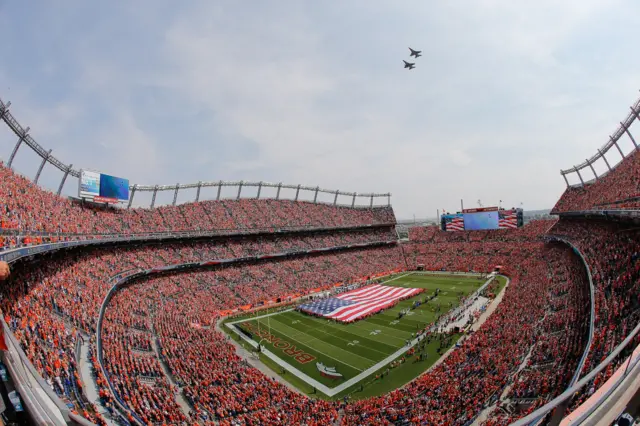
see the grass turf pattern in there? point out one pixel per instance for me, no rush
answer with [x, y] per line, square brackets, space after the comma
[352, 348]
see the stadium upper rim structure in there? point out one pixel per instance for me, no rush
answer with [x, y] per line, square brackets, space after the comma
[633, 115]
[67, 169]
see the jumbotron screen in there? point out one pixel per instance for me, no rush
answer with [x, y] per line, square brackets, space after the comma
[481, 220]
[101, 188]
[484, 218]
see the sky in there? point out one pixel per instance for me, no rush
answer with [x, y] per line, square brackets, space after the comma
[506, 93]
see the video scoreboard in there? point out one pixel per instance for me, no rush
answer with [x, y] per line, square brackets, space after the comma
[483, 218]
[101, 188]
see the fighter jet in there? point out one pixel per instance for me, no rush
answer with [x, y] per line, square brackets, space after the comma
[409, 65]
[416, 53]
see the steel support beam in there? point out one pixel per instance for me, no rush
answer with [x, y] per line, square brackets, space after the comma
[64, 178]
[133, 192]
[626, 129]
[335, 198]
[592, 169]
[15, 148]
[315, 197]
[198, 191]
[4, 110]
[388, 200]
[297, 192]
[580, 176]
[153, 199]
[605, 160]
[353, 202]
[635, 112]
[565, 179]
[219, 190]
[259, 190]
[44, 161]
[617, 146]
[278, 193]
[371, 204]
[175, 194]
[239, 190]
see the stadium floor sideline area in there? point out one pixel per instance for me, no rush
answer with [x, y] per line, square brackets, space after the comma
[304, 343]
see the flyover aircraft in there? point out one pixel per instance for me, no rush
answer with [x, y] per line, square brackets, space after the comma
[416, 53]
[409, 65]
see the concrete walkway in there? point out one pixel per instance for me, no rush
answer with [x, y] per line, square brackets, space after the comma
[180, 398]
[90, 386]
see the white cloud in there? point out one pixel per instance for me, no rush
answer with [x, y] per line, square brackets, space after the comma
[460, 157]
[504, 96]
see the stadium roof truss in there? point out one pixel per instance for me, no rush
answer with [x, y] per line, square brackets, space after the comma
[24, 137]
[633, 115]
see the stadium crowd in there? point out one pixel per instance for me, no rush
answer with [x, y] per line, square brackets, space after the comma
[46, 304]
[612, 252]
[532, 230]
[619, 188]
[183, 308]
[26, 207]
[171, 319]
[168, 323]
[187, 340]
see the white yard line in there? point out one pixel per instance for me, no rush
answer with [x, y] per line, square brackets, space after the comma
[374, 327]
[261, 316]
[323, 330]
[319, 386]
[295, 340]
[399, 276]
[326, 343]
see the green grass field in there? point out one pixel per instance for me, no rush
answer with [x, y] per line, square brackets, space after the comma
[353, 348]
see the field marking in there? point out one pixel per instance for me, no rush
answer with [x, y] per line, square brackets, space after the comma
[357, 325]
[330, 325]
[345, 385]
[326, 343]
[331, 344]
[261, 316]
[320, 352]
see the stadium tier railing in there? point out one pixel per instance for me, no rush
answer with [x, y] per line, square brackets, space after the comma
[633, 115]
[44, 406]
[592, 311]
[614, 214]
[592, 317]
[13, 254]
[562, 401]
[125, 277]
[630, 368]
[67, 169]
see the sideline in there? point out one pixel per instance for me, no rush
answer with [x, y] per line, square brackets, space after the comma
[330, 392]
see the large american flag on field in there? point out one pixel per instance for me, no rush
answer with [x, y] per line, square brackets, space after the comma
[355, 304]
[454, 222]
[507, 219]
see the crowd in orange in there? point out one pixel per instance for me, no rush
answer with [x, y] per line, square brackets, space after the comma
[169, 321]
[26, 209]
[619, 189]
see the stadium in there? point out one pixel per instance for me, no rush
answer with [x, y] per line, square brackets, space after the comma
[258, 303]
[161, 315]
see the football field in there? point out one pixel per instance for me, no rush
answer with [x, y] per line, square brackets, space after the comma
[358, 351]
